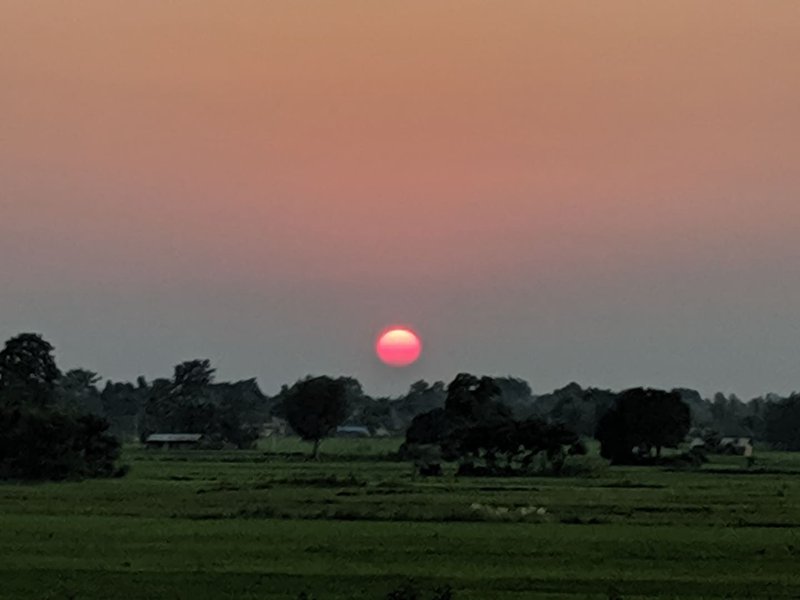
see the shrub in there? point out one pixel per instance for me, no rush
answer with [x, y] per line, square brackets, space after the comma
[584, 466]
[49, 444]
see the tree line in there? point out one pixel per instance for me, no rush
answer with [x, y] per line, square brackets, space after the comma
[58, 424]
[42, 437]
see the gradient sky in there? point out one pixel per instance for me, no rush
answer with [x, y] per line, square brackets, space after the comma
[606, 192]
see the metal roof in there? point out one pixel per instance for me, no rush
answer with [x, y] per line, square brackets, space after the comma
[740, 441]
[174, 437]
[352, 429]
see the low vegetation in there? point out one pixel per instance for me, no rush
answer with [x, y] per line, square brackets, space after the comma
[480, 432]
[357, 525]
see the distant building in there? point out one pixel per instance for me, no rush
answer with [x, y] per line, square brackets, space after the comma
[741, 446]
[173, 440]
[275, 427]
[382, 432]
[353, 431]
[697, 443]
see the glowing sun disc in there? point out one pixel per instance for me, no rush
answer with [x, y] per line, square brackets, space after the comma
[398, 347]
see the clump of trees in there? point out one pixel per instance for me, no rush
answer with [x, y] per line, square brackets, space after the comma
[191, 402]
[56, 425]
[642, 421]
[123, 404]
[43, 433]
[478, 430]
[513, 446]
[577, 408]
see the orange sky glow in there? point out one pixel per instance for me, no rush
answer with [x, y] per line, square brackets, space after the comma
[529, 183]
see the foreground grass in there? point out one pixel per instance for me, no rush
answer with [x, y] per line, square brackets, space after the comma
[260, 525]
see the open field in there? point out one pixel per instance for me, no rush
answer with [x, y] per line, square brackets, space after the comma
[269, 524]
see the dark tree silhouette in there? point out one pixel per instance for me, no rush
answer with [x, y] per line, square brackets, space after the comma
[193, 376]
[502, 443]
[190, 402]
[123, 404]
[577, 408]
[41, 438]
[782, 423]
[50, 444]
[420, 398]
[428, 428]
[516, 394]
[642, 420]
[473, 398]
[475, 427]
[315, 406]
[77, 391]
[28, 371]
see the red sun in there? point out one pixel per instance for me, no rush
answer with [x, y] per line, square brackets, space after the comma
[398, 347]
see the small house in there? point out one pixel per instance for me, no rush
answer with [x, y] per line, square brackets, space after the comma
[275, 427]
[741, 446]
[382, 432]
[352, 431]
[173, 440]
[697, 443]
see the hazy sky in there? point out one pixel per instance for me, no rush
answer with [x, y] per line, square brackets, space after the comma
[606, 192]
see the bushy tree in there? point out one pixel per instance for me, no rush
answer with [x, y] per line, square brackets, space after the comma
[475, 427]
[474, 398]
[700, 409]
[172, 408]
[641, 420]
[41, 438]
[372, 413]
[782, 423]
[49, 444]
[421, 397]
[576, 408]
[428, 428]
[506, 443]
[76, 390]
[240, 410]
[315, 406]
[28, 372]
[470, 400]
[516, 394]
[123, 404]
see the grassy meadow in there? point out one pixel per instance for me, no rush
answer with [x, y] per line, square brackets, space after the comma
[270, 524]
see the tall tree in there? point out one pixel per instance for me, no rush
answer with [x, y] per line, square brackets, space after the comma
[182, 404]
[39, 437]
[123, 405]
[782, 423]
[193, 376]
[28, 371]
[516, 394]
[420, 398]
[77, 390]
[642, 419]
[474, 399]
[315, 406]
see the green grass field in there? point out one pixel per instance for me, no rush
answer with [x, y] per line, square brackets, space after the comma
[269, 524]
